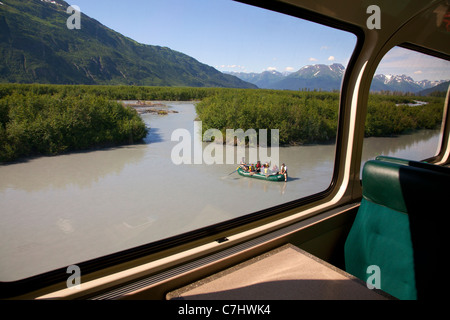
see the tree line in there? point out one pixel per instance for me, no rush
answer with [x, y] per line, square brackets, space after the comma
[119, 92]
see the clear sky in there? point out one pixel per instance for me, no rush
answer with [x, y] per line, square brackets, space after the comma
[231, 36]
[227, 35]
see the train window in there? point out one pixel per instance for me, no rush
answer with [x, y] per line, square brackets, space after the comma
[406, 106]
[78, 206]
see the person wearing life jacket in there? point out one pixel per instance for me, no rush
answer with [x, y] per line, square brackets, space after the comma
[266, 169]
[283, 171]
[243, 165]
[258, 167]
[275, 169]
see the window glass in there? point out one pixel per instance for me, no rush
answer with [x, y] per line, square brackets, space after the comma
[265, 83]
[406, 106]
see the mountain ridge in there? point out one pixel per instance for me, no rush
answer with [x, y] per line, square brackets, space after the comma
[37, 47]
[329, 78]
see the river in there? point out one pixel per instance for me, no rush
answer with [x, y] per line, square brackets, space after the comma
[62, 210]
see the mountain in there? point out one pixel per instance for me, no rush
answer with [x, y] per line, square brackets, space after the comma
[442, 87]
[310, 77]
[265, 79]
[329, 77]
[400, 83]
[317, 76]
[427, 84]
[36, 46]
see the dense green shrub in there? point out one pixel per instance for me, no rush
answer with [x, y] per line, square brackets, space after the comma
[391, 115]
[35, 123]
[300, 117]
[310, 117]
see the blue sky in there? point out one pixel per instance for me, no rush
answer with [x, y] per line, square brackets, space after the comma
[416, 65]
[231, 36]
[227, 35]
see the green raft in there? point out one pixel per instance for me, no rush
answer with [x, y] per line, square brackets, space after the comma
[273, 177]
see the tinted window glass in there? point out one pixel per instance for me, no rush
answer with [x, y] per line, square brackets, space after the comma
[76, 206]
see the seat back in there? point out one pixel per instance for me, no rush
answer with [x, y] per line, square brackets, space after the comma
[397, 228]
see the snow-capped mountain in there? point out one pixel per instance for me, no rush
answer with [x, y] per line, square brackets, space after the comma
[319, 76]
[329, 77]
[402, 83]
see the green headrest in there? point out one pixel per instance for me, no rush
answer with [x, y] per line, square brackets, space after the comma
[381, 185]
[389, 183]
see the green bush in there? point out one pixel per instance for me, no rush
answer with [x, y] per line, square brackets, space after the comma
[300, 117]
[311, 117]
[35, 123]
[390, 115]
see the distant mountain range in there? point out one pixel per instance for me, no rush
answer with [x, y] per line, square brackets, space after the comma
[402, 83]
[311, 77]
[329, 77]
[37, 47]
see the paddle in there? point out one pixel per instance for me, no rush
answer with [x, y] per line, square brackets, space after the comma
[234, 171]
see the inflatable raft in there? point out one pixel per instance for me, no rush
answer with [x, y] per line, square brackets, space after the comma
[261, 176]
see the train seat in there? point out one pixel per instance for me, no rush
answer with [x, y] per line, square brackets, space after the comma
[398, 228]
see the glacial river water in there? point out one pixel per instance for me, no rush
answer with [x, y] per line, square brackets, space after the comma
[58, 211]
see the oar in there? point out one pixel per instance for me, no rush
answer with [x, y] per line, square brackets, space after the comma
[224, 177]
[234, 171]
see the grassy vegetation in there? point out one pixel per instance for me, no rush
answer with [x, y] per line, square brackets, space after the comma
[50, 119]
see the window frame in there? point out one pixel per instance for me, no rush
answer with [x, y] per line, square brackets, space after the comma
[444, 136]
[203, 235]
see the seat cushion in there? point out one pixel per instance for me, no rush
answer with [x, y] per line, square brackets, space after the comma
[380, 236]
